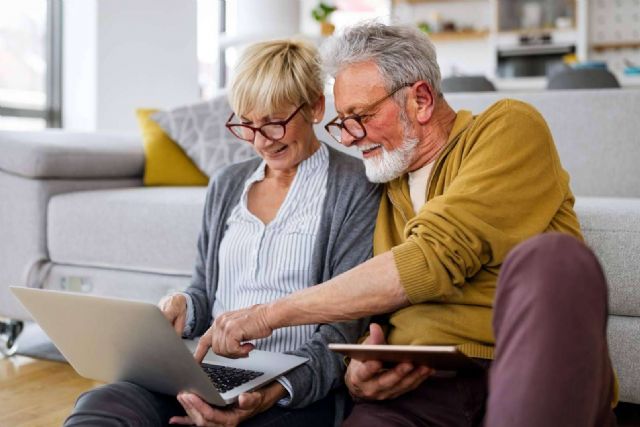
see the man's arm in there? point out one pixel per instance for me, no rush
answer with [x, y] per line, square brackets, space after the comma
[371, 288]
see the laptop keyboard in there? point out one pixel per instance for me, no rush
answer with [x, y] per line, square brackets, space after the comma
[225, 378]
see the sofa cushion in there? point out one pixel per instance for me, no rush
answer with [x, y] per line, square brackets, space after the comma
[199, 129]
[612, 230]
[624, 347]
[165, 162]
[139, 229]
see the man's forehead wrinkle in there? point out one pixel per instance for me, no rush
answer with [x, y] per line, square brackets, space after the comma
[360, 95]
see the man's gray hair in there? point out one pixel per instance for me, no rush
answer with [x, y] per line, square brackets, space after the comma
[403, 54]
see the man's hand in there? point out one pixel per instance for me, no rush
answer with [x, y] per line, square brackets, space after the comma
[201, 413]
[174, 308]
[204, 344]
[232, 328]
[368, 380]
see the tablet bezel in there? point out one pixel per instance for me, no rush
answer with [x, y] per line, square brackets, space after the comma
[442, 358]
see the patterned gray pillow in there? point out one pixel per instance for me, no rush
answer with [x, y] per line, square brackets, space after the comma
[199, 130]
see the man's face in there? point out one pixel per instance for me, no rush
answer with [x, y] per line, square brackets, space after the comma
[387, 148]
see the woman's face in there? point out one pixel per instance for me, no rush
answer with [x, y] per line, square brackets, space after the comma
[299, 141]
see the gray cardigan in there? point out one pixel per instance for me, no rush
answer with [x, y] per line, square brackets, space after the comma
[344, 240]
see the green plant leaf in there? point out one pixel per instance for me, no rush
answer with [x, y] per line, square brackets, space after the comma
[322, 11]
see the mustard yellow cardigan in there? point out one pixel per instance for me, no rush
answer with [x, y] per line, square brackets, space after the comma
[497, 182]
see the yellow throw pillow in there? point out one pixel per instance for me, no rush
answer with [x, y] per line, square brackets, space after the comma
[165, 162]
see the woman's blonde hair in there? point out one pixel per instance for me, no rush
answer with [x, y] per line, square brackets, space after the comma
[274, 75]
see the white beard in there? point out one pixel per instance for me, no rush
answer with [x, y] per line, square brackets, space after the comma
[390, 164]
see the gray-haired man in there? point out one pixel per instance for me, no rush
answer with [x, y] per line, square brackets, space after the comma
[462, 192]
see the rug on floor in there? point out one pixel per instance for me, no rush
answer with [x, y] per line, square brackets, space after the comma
[33, 342]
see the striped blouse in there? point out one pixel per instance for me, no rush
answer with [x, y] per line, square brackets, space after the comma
[259, 263]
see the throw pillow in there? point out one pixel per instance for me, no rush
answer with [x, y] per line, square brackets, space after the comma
[199, 129]
[165, 162]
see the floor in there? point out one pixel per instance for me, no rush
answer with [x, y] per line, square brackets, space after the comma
[37, 393]
[55, 387]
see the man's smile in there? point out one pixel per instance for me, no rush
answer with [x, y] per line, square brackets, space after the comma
[369, 150]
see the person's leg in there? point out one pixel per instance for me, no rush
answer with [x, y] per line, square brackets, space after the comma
[123, 404]
[318, 414]
[445, 402]
[127, 404]
[551, 364]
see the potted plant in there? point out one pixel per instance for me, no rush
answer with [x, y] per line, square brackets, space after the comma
[321, 14]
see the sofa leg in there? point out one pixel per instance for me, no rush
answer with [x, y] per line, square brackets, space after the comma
[9, 332]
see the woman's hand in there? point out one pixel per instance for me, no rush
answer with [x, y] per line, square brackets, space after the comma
[174, 308]
[201, 413]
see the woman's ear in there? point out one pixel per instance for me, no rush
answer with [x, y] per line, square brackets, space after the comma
[425, 101]
[317, 110]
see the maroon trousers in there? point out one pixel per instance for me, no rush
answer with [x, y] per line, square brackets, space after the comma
[551, 366]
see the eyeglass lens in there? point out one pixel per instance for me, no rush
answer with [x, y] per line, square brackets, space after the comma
[270, 131]
[351, 125]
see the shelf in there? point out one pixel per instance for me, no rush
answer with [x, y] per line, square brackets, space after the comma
[615, 45]
[450, 36]
[537, 31]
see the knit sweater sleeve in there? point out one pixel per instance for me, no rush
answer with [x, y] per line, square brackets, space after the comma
[197, 290]
[347, 233]
[508, 187]
[222, 195]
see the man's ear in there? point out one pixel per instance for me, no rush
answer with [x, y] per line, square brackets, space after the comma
[425, 101]
[317, 110]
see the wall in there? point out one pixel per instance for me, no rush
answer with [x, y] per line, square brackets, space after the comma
[469, 57]
[119, 55]
[79, 75]
[251, 21]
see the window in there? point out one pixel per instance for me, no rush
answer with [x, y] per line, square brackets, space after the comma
[30, 57]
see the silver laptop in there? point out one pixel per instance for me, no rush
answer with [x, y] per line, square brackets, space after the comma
[111, 339]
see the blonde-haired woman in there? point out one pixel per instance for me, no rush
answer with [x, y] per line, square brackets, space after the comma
[298, 215]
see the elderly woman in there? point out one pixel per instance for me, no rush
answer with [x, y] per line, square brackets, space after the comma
[298, 215]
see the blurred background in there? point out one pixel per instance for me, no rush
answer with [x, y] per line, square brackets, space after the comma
[85, 64]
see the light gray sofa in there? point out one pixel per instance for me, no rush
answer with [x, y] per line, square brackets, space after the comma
[74, 216]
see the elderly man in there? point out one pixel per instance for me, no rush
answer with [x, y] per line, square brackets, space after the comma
[461, 193]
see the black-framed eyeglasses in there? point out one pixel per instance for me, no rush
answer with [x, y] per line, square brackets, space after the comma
[353, 124]
[274, 131]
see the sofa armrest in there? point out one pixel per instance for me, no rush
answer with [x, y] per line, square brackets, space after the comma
[62, 154]
[24, 206]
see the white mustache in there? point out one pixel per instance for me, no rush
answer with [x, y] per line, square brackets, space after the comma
[368, 147]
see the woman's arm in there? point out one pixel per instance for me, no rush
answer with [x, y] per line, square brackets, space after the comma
[350, 242]
[198, 316]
